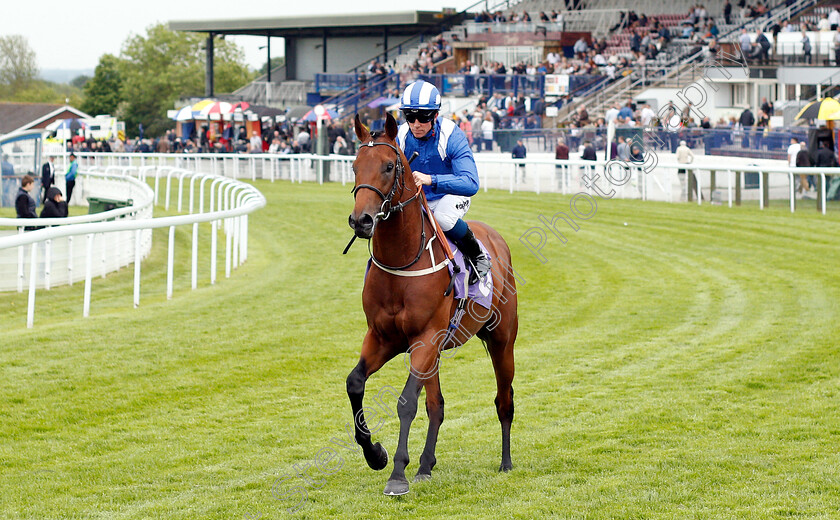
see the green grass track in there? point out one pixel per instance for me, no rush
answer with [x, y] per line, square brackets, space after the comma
[685, 366]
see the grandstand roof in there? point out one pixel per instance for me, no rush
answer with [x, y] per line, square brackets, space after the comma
[364, 24]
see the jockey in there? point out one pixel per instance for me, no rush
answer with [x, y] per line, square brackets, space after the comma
[445, 168]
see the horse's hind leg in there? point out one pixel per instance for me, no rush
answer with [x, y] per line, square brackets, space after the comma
[434, 409]
[500, 346]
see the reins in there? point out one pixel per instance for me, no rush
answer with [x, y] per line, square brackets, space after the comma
[388, 207]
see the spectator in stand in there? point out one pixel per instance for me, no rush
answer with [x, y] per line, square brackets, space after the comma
[806, 47]
[792, 152]
[519, 152]
[762, 47]
[766, 106]
[747, 120]
[836, 42]
[70, 176]
[636, 154]
[303, 139]
[727, 12]
[54, 206]
[824, 24]
[487, 127]
[684, 156]
[834, 18]
[647, 115]
[612, 113]
[47, 175]
[746, 44]
[475, 124]
[580, 48]
[582, 115]
[561, 153]
[803, 160]
[340, 146]
[636, 42]
[623, 149]
[626, 111]
[825, 158]
[163, 144]
[588, 153]
[24, 203]
[763, 120]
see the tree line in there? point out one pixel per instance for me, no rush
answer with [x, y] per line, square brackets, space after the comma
[150, 74]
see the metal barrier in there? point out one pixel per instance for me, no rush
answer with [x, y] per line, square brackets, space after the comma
[230, 203]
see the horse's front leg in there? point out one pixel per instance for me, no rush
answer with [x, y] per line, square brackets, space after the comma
[373, 356]
[423, 364]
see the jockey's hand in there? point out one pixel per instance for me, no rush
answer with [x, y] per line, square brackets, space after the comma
[421, 179]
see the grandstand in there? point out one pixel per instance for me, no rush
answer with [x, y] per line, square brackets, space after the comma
[548, 69]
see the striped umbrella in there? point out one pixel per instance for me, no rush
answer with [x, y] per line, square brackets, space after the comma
[196, 108]
[827, 109]
[184, 114]
[216, 107]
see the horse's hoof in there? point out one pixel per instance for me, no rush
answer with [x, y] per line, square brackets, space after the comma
[379, 459]
[420, 477]
[396, 487]
[504, 468]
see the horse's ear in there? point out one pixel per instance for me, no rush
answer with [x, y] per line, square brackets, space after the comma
[361, 131]
[391, 127]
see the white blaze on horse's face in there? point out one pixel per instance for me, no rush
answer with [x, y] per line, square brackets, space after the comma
[375, 173]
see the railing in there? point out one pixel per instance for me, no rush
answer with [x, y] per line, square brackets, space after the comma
[641, 181]
[489, 84]
[782, 11]
[113, 258]
[362, 92]
[229, 202]
[792, 53]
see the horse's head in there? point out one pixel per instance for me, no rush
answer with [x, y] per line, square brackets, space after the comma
[380, 170]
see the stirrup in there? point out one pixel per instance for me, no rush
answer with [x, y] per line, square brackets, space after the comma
[480, 267]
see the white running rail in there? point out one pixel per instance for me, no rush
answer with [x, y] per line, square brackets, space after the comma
[229, 204]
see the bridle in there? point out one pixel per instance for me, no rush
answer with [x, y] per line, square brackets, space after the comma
[387, 200]
[388, 207]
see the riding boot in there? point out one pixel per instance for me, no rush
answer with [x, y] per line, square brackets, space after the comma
[472, 251]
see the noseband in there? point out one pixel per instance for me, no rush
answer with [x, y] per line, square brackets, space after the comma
[387, 200]
[388, 207]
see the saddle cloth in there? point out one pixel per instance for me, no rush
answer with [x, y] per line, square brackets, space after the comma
[481, 292]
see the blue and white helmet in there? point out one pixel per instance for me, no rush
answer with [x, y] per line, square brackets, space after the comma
[420, 95]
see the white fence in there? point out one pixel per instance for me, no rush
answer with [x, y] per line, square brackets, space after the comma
[115, 250]
[228, 204]
[661, 181]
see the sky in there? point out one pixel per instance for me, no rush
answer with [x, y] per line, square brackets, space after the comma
[73, 35]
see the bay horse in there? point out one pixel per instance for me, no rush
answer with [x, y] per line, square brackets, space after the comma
[408, 306]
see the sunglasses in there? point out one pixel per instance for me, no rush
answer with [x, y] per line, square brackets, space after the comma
[424, 116]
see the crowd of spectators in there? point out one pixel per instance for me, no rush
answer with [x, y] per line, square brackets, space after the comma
[430, 54]
[513, 16]
[280, 138]
[498, 112]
